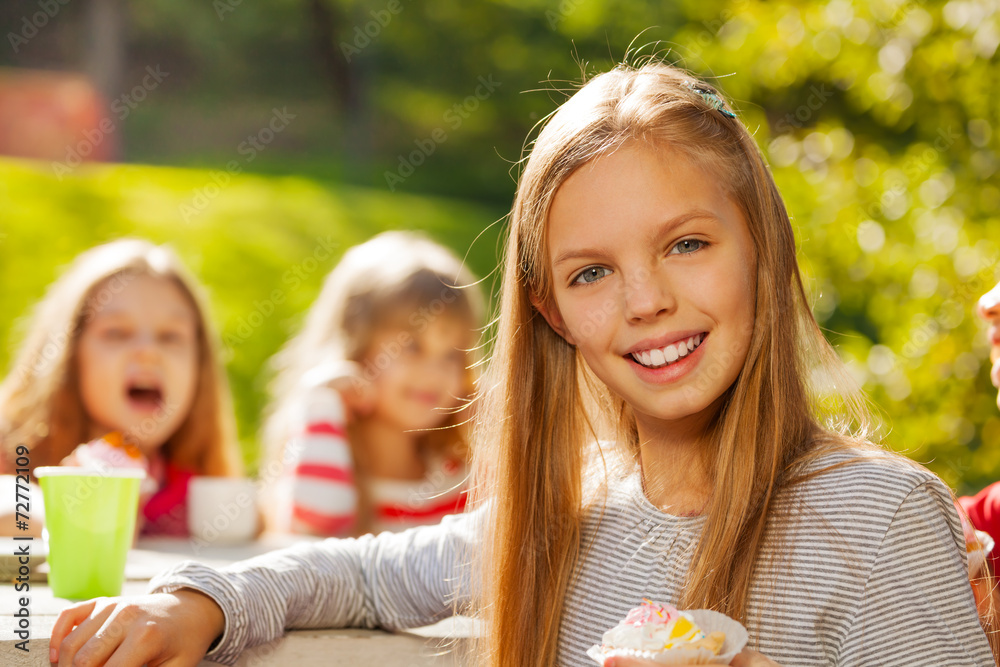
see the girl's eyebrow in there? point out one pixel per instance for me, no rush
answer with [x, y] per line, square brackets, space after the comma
[678, 220]
[574, 254]
[662, 230]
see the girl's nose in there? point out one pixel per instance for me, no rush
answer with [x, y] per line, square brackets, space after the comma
[989, 304]
[146, 344]
[647, 297]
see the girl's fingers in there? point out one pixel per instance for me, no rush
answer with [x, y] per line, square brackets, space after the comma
[84, 630]
[144, 646]
[108, 638]
[748, 658]
[148, 645]
[68, 619]
[168, 629]
[634, 662]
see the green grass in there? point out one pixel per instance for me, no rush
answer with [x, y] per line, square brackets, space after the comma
[246, 239]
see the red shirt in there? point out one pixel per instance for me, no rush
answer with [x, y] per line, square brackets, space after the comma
[984, 513]
[165, 513]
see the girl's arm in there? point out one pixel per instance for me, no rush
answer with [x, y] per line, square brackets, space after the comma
[917, 606]
[392, 581]
[319, 488]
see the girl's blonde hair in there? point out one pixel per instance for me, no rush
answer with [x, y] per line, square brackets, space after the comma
[544, 406]
[40, 402]
[395, 280]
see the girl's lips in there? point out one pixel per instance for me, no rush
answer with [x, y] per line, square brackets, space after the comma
[993, 335]
[671, 372]
[427, 397]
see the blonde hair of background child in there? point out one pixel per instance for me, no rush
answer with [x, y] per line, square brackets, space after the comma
[40, 402]
[394, 281]
[546, 407]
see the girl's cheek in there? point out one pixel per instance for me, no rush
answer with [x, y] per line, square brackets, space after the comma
[95, 360]
[455, 385]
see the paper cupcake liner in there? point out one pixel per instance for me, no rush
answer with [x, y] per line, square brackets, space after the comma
[709, 621]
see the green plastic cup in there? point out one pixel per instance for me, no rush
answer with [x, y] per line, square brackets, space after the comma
[90, 520]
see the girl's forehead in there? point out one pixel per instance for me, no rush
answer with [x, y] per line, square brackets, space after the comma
[633, 167]
[446, 328]
[141, 295]
[636, 186]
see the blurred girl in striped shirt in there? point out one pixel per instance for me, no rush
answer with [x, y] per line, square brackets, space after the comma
[366, 417]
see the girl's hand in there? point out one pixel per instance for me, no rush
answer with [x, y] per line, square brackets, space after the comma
[172, 629]
[358, 394]
[746, 658]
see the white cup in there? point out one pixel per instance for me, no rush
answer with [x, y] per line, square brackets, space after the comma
[222, 510]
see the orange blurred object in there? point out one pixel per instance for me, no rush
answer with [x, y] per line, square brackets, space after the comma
[58, 116]
[111, 449]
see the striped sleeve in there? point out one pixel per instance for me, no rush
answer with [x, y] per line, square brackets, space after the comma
[918, 606]
[392, 581]
[323, 497]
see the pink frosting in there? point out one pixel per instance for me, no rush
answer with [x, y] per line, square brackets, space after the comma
[651, 612]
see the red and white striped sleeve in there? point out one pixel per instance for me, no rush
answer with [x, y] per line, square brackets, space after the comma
[319, 468]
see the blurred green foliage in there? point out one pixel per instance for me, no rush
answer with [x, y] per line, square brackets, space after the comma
[880, 118]
[261, 246]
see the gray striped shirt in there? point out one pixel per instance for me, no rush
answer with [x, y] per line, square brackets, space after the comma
[862, 565]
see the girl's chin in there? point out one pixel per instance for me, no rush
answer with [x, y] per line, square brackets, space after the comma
[148, 441]
[676, 412]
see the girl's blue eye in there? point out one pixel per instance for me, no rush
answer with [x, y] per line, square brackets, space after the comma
[687, 246]
[591, 274]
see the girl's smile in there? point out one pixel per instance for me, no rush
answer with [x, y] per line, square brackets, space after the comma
[653, 280]
[668, 363]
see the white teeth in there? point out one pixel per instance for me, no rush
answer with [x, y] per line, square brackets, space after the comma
[657, 358]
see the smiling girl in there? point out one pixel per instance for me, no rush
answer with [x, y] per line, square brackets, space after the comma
[655, 426]
[122, 342]
[366, 400]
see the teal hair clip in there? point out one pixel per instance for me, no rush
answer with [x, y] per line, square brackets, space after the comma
[712, 99]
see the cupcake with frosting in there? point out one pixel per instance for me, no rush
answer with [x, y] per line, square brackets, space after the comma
[114, 451]
[661, 633]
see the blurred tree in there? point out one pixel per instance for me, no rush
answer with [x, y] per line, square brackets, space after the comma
[104, 57]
